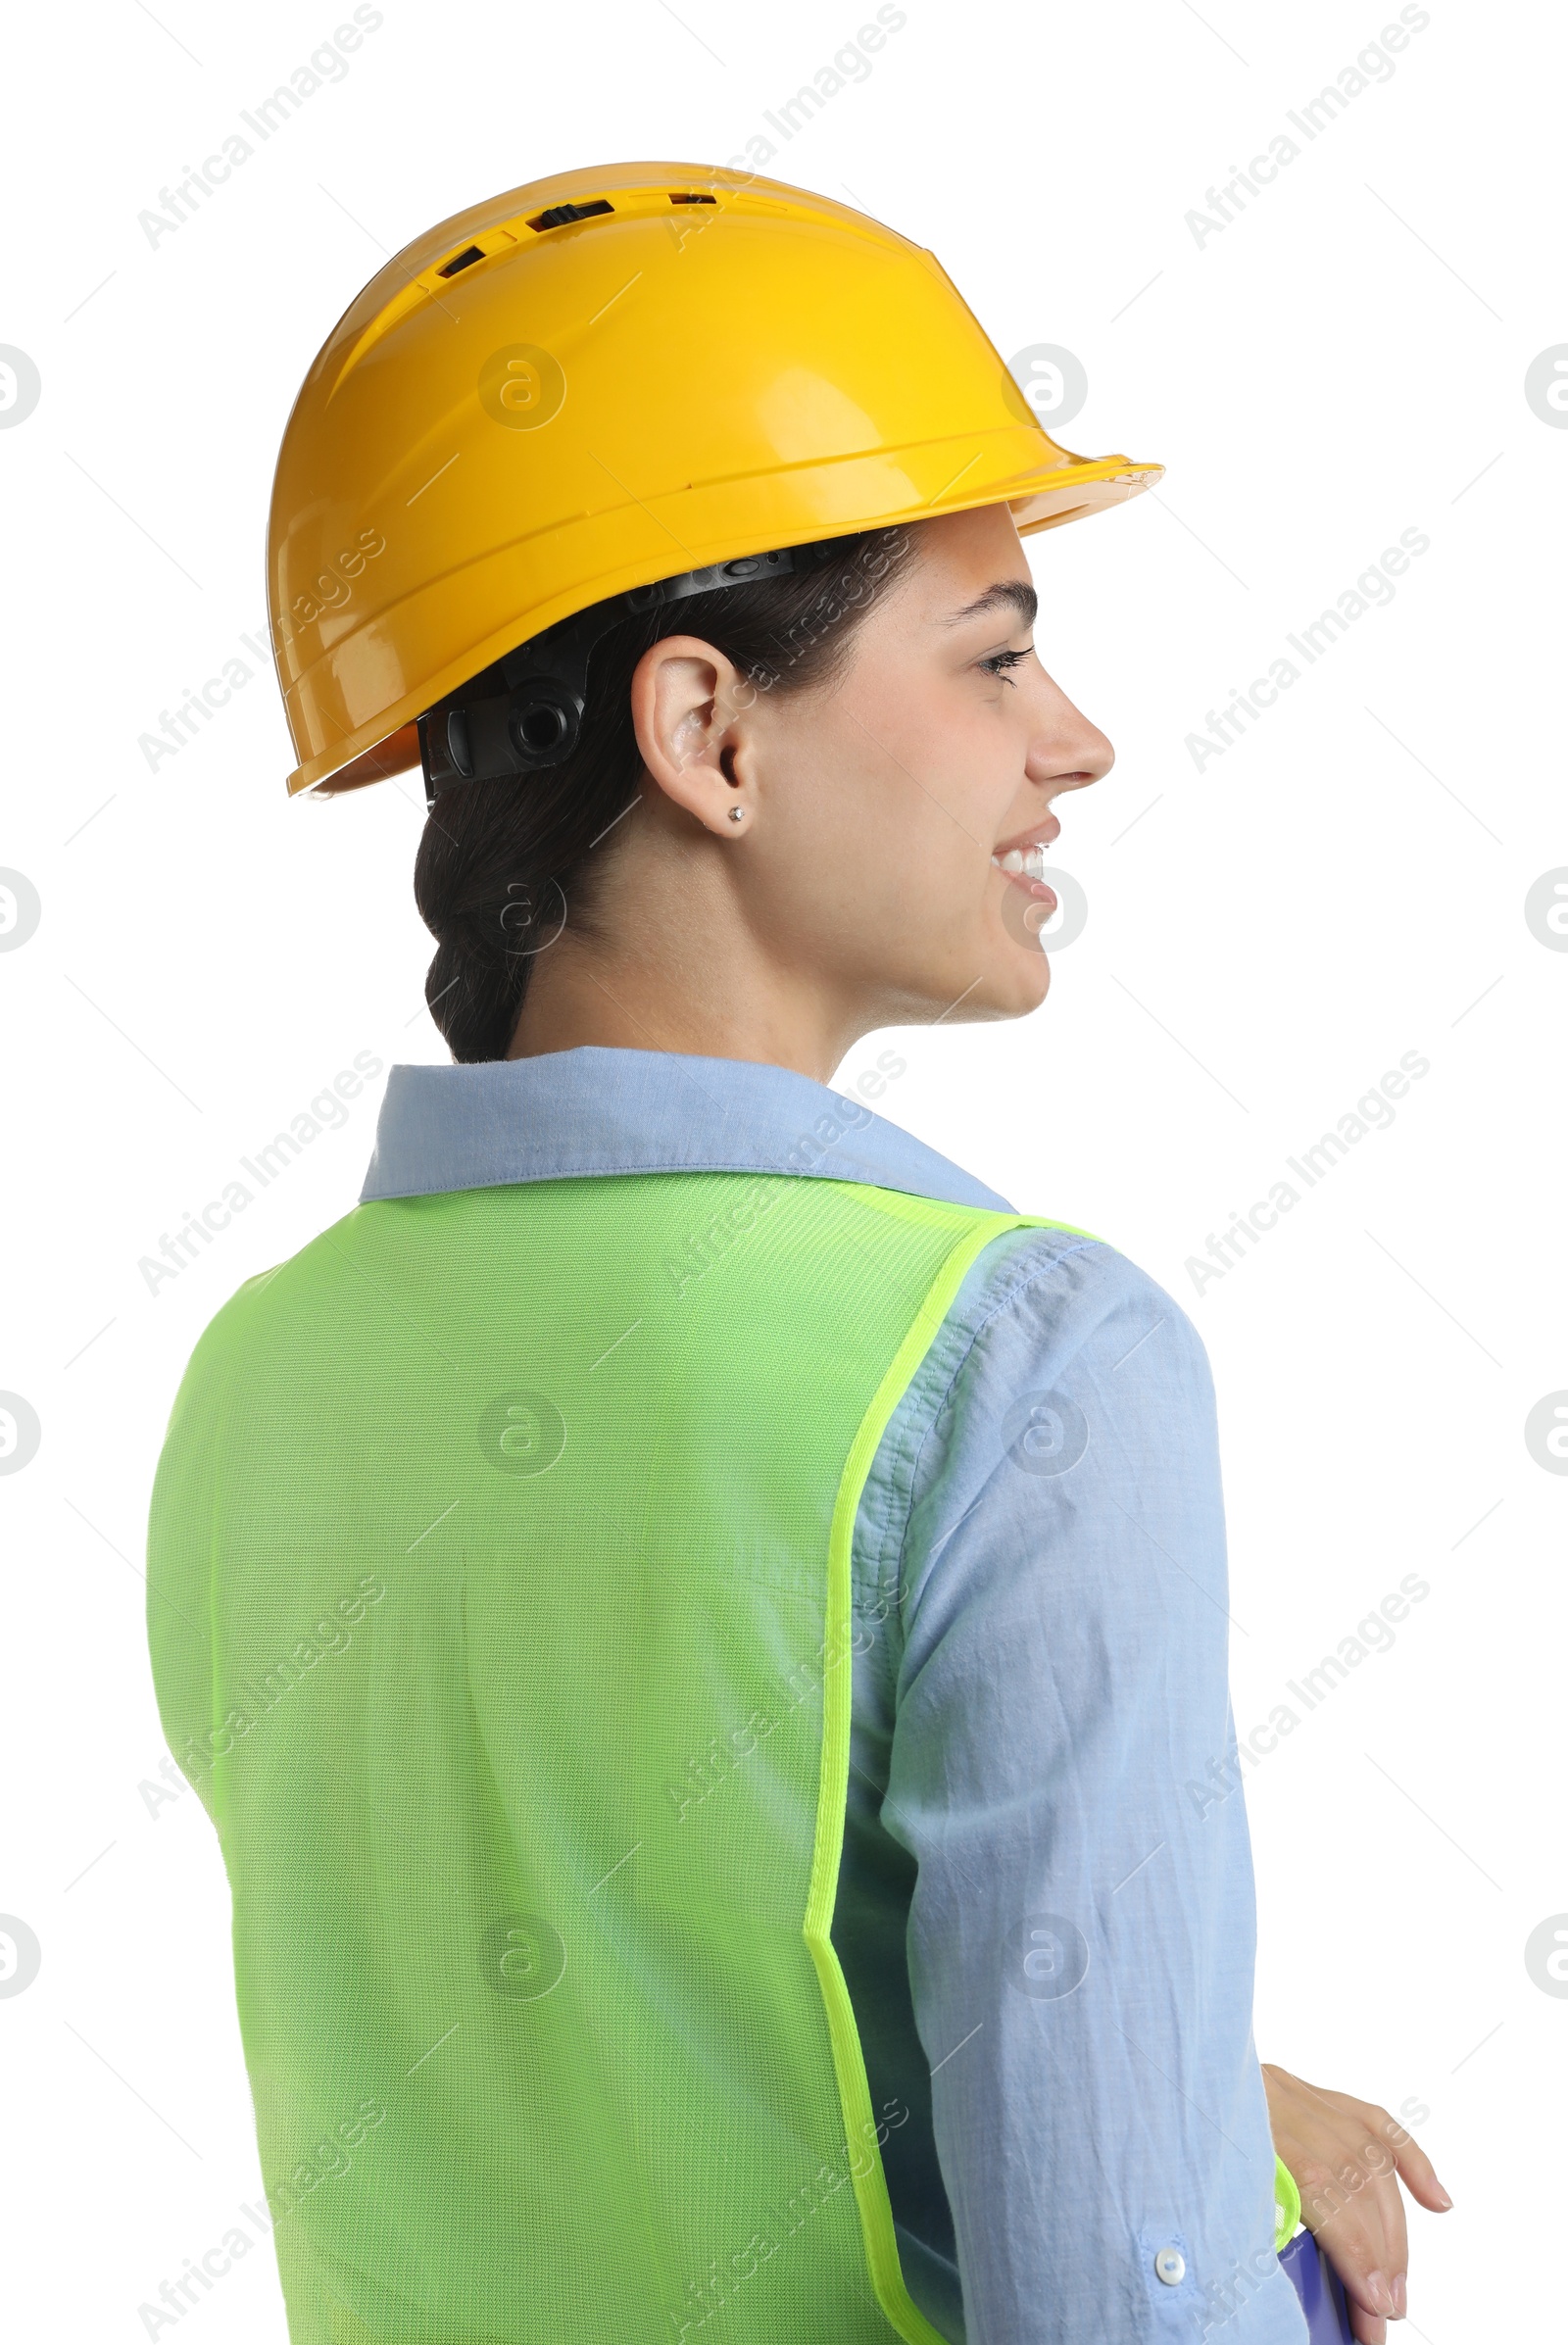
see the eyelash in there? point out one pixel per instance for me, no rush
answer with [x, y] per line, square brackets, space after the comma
[1000, 662]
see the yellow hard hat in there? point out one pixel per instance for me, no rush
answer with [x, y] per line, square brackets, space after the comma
[596, 381]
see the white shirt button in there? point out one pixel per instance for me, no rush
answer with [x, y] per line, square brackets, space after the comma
[1170, 2265]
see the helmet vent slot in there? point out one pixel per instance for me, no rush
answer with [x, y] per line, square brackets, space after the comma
[559, 216]
[464, 260]
[693, 198]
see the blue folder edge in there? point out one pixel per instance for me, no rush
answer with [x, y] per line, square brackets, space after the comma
[1316, 2285]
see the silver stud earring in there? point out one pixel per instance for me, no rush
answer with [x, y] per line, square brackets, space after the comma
[737, 813]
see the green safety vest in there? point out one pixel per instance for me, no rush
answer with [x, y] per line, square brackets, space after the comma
[500, 1612]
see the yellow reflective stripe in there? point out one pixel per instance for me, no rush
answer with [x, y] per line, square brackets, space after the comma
[1287, 2203]
[855, 2091]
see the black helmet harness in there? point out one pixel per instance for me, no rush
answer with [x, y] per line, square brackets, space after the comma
[525, 712]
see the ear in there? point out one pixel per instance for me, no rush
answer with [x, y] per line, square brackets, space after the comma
[686, 706]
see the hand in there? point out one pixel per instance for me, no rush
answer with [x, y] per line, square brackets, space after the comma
[1343, 2156]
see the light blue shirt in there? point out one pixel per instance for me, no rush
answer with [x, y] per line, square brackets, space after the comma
[1046, 1910]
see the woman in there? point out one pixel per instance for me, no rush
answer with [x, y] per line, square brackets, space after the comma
[697, 1624]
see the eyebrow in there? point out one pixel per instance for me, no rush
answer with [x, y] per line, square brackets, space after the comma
[1006, 594]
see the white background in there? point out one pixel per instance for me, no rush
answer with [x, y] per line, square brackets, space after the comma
[1345, 884]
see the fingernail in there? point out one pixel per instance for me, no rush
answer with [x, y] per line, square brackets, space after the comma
[1382, 2295]
[1400, 2307]
[1446, 2199]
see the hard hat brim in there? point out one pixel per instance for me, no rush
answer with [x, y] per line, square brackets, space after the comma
[1040, 496]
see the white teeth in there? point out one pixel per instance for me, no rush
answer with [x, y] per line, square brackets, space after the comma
[1030, 862]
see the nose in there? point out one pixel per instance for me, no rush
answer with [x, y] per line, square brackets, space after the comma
[1065, 750]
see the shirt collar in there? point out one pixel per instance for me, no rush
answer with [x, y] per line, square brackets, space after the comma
[591, 1110]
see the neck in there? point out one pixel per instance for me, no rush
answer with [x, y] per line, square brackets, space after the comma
[701, 986]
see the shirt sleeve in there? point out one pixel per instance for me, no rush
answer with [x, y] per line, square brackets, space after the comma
[1081, 1934]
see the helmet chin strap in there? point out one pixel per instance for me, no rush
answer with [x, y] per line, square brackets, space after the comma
[523, 713]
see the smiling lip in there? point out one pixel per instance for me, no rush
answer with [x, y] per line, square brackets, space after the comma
[1035, 888]
[1043, 833]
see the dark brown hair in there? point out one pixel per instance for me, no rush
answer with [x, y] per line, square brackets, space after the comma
[501, 861]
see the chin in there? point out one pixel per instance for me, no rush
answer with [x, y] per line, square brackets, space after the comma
[1028, 987]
